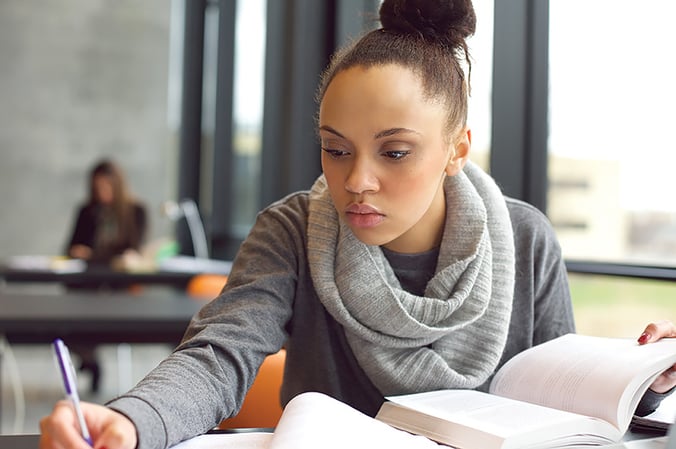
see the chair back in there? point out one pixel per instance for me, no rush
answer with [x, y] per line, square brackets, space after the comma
[262, 407]
[206, 286]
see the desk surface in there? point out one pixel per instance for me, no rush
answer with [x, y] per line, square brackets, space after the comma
[95, 317]
[174, 271]
[98, 276]
[28, 441]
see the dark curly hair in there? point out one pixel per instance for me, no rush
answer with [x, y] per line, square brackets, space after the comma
[425, 36]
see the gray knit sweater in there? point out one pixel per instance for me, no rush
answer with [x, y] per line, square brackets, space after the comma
[270, 301]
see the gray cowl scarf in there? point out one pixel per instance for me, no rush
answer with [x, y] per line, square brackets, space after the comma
[453, 337]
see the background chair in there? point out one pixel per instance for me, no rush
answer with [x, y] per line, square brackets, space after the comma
[206, 286]
[261, 407]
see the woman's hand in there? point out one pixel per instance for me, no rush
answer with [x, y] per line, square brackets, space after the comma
[80, 252]
[108, 428]
[653, 332]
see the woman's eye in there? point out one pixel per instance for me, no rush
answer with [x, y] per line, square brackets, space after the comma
[334, 153]
[396, 155]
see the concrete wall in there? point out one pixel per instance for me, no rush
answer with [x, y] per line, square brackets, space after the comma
[80, 79]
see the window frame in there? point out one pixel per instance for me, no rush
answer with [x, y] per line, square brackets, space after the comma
[519, 149]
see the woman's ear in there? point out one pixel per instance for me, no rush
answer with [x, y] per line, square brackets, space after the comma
[460, 154]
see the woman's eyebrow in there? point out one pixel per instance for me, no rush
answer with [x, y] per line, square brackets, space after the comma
[393, 131]
[331, 130]
[378, 135]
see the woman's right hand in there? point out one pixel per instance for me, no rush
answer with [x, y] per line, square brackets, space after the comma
[108, 428]
[80, 252]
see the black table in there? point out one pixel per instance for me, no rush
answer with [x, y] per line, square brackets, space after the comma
[30, 441]
[27, 441]
[173, 272]
[96, 277]
[95, 318]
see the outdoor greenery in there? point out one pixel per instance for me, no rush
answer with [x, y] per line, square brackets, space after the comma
[618, 306]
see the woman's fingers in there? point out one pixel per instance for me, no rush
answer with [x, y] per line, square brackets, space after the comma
[666, 381]
[60, 429]
[109, 429]
[657, 330]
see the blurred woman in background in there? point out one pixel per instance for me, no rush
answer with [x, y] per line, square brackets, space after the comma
[111, 222]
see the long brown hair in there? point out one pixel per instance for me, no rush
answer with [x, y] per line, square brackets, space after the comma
[123, 202]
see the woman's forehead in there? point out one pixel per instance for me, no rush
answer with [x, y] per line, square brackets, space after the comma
[391, 95]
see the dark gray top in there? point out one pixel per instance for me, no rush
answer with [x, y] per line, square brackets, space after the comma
[270, 301]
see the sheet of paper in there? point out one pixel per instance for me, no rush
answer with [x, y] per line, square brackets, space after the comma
[314, 420]
[249, 440]
[592, 376]
[649, 443]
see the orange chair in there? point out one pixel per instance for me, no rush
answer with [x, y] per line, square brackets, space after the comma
[206, 286]
[261, 407]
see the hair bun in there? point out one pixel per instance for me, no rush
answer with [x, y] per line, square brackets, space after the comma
[446, 21]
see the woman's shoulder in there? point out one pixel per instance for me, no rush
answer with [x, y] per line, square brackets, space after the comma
[288, 214]
[280, 228]
[532, 228]
[523, 214]
[87, 209]
[294, 205]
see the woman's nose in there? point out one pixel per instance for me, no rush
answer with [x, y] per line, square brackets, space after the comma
[361, 178]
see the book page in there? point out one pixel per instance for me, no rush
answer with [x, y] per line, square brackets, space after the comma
[315, 420]
[248, 440]
[648, 443]
[473, 419]
[595, 376]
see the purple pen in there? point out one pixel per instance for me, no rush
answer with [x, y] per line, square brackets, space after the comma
[70, 384]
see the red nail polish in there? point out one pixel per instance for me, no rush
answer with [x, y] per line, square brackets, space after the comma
[643, 339]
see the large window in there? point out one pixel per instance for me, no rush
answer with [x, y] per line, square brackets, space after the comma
[249, 83]
[611, 147]
[611, 157]
[481, 48]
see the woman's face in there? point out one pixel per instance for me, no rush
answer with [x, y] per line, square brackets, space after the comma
[385, 155]
[103, 189]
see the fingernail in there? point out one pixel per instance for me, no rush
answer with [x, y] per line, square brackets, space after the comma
[643, 339]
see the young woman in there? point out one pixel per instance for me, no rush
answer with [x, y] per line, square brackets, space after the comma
[403, 269]
[111, 222]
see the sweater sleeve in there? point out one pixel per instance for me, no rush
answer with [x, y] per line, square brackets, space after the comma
[650, 401]
[206, 378]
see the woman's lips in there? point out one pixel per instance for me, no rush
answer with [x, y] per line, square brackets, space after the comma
[363, 216]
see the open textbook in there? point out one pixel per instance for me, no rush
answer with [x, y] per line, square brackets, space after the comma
[313, 421]
[573, 390]
[588, 388]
